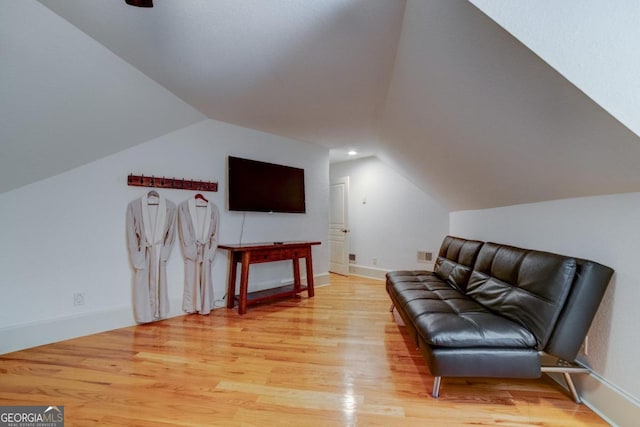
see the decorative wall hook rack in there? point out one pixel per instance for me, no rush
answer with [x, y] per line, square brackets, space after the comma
[164, 182]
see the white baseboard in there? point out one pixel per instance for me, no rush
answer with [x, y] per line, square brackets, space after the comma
[321, 279]
[41, 332]
[370, 272]
[611, 403]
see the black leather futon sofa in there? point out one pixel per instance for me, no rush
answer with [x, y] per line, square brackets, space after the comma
[492, 310]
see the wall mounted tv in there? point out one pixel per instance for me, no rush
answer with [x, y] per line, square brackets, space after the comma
[264, 187]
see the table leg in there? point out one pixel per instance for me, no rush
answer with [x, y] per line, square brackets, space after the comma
[244, 283]
[296, 274]
[231, 281]
[309, 266]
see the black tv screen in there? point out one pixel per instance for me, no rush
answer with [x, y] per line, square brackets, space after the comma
[264, 187]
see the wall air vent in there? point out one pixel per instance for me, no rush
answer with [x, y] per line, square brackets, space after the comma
[424, 256]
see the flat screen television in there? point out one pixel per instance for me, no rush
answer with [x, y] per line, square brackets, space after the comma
[264, 187]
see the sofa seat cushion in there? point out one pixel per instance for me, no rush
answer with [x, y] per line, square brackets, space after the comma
[432, 295]
[472, 329]
[397, 281]
[405, 286]
[445, 317]
[404, 275]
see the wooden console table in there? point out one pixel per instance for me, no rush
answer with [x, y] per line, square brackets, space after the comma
[254, 253]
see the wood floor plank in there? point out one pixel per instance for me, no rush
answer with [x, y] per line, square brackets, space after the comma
[337, 359]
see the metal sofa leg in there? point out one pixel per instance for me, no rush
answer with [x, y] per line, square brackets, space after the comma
[572, 387]
[436, 387]
[566, 369]
[391, 308]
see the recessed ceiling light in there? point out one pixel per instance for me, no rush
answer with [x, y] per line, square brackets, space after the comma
[352, 152]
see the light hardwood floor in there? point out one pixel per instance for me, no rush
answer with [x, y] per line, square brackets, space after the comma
[334, 360]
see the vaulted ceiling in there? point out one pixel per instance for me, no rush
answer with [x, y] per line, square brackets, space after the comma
[433, 87]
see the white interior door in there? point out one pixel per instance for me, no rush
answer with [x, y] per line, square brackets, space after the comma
[339, 226]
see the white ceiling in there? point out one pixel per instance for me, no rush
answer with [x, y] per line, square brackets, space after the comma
[478, 120]
[316, 71]
[435, 88]
[66, 101]
[593, 43]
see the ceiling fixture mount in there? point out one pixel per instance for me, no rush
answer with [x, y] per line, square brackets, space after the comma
[139, 3]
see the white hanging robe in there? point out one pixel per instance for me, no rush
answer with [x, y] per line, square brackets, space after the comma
[198, 227]
[150, 237]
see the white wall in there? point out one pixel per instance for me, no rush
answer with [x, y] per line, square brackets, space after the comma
[397, 220]
[593, 43]
[66, 100]
[605, 229]
[467, 97]
[66, 234]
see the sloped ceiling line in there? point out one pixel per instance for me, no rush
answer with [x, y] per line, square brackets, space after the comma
[65, 100]
[592, 43]
[440, 91]
[478, 120]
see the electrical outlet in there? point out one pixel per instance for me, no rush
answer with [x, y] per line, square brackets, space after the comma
[375, 261]
[78, 298]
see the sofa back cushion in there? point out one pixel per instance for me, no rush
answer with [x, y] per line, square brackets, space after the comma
[589, 286]
[529, 287]
[455, 260]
